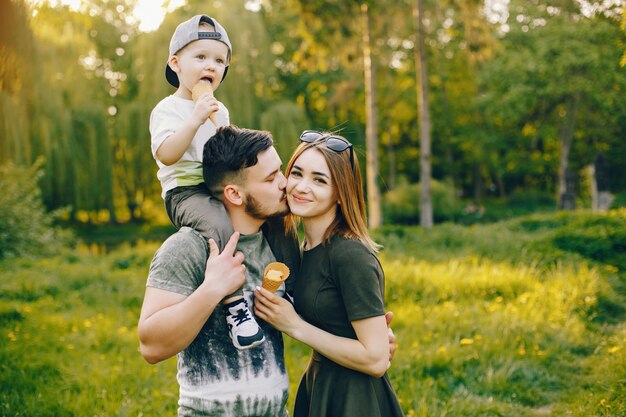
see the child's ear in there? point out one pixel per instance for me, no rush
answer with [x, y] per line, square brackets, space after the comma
[233, 195]
[173, 63]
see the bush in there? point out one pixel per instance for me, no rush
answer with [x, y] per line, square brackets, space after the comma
[519, 203]
[26, 229]
[402, 204]
[531, 200]
[619, 200]
[600, 237]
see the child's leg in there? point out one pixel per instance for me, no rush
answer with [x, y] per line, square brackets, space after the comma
[195, 207]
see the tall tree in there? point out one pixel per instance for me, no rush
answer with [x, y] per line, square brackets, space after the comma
[76, 88]
[331, 35]
[64, 117]
[17, 60]
[623, 26]
[540, 85]
[371, 124]
[421, 72]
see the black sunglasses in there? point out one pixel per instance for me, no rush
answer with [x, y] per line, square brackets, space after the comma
[334, 143]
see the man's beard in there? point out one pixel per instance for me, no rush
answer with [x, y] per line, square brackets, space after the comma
[256, 210]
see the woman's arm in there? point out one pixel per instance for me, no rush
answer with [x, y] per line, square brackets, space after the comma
[368, 354]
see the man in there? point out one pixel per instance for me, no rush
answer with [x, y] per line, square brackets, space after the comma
[180, 313]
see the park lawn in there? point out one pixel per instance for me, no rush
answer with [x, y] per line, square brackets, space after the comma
[518, 318]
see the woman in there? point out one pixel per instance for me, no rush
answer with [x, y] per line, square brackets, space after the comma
[339, 309]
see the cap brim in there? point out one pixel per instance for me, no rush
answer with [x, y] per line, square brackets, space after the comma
[171, 76]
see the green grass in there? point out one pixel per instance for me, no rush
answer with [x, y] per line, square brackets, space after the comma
[524, 317]
[69, 343]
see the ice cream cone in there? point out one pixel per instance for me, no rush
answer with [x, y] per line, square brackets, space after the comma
[274, 275]
[201, 88]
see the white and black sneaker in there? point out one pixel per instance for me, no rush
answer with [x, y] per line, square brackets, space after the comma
[243, 328]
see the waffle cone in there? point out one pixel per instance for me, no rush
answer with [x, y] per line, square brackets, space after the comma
[200, 88]
[272, 284]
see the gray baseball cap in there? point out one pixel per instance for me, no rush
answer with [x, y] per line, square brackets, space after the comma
[188, 32]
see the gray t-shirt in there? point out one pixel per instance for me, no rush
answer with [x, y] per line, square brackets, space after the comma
[215, 378]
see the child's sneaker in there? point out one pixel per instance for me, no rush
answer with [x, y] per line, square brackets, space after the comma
[243, 328]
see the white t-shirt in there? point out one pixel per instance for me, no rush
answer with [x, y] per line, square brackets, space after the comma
[165, 119]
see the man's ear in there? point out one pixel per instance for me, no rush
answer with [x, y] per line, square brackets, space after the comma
[233, 195]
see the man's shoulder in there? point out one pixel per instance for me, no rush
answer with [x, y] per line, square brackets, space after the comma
[178, 265]
[185, 240]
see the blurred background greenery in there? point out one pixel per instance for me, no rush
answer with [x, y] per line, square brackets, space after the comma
[519, 92]
[506, 307]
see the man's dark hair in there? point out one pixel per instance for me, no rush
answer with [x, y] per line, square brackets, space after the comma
[228, 152]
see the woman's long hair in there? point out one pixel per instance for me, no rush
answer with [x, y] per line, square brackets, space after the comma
[350, 216]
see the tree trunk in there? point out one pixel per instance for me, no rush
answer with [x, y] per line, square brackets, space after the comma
[600, 196]
[446, 133]
[371, 130]
[479, 184]
[500, 182]
[426, 206]
[391, 157]
[593, 188]
[565, 196]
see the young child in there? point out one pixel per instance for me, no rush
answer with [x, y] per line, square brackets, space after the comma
[199, 52]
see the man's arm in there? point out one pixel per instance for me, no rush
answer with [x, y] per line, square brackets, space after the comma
[169, 322]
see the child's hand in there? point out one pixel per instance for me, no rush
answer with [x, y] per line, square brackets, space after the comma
[206, 105]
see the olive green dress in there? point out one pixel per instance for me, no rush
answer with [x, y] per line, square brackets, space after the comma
[340, 282]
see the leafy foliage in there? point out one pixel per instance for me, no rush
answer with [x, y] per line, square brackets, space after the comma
[603, 239]
[402, 204]
[499, 84]
[26, 229]
[551, 68]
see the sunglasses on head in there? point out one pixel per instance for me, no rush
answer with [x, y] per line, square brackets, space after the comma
[334, 143]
